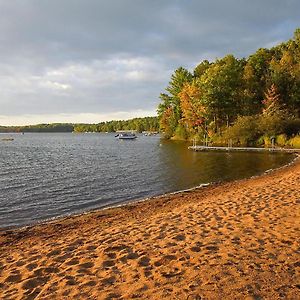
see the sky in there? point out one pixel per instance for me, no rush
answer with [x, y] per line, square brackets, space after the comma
[87, 61]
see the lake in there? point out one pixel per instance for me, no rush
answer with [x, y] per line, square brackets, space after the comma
[43, 176]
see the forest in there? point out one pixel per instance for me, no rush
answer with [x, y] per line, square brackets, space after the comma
[247, 101]
[138, 124]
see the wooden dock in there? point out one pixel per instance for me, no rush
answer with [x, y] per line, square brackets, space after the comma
[245, 149]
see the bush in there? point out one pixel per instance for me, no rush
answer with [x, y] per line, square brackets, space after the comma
[180, 133]
[261, 141]
[245, 131]
[271, 125]
[218, 140]
[281, 140]
[295, 142]
[266, 141]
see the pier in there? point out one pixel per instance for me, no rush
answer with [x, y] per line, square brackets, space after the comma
[249, 149]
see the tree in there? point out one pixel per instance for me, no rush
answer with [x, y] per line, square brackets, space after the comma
[259, 63]
[201, 68]
[170, 105]
[251, 91]
[168, 122]
[266, 86]
[272, 120]
[193, 110]
[221, 86]
[271, 101]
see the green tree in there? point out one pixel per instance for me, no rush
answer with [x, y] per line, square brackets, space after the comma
[201, 68]
[221, 86]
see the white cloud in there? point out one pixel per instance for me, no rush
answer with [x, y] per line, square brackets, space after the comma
[99, 86]
[55, 85]
[97, 59]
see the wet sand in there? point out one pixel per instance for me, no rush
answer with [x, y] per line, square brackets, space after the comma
[237, 240]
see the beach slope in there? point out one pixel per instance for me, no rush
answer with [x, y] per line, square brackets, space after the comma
[237, 240]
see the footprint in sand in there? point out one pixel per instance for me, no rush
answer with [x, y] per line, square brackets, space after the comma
[72, 262]
[54, 252]
[108, 263]
[144, 261]
[31, 266]
[108, 281]
[34, 282]
[179, 237]
[13, 278]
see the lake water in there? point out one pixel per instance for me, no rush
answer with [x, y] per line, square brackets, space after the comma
[48, 175]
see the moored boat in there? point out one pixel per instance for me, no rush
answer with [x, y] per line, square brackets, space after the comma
[126, 136]
[7, 139]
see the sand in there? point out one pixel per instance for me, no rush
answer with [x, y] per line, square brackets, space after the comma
[237, 240]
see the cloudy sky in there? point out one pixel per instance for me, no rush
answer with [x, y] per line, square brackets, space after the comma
[97, 60]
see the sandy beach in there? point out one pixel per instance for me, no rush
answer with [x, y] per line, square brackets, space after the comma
[237, 240]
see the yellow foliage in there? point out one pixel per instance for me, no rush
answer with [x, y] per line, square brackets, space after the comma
[281, 140]
[295, 142]
[192, 109]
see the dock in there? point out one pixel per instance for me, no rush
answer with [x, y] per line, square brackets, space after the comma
[245, 149]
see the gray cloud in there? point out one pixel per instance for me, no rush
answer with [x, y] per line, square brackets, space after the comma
[93, 56]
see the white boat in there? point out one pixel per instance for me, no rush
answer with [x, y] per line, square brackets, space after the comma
[126, 136]
[149, 133]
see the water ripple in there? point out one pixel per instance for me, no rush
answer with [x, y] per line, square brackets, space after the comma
[43, 176]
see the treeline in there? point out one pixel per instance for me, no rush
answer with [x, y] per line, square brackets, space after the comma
[245, 100]
[138, 124]
[54, 127]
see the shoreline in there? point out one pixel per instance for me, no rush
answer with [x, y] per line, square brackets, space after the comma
[141, 200]
[236, 239]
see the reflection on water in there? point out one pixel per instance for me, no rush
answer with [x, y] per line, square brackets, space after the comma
[187, 168]
[49, 175]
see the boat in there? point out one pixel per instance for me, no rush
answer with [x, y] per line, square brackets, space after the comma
[7, 139]
[126, 136]
[149, 133]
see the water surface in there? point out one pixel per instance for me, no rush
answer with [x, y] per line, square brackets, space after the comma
[55, 174]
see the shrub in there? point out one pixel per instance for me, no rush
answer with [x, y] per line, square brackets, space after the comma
[245, 131]
[295, 141]
[181, 133]
[218, 140]
[281, 140]
[271, 125]
[260, 141]
[266, 141]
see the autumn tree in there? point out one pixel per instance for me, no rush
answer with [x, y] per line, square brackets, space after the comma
[193, 110]
[168, 122]
[272, 119]
[170, 102]
[271, 101]
[226, 90]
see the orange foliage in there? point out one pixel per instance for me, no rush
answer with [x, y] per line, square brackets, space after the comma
[192, 109]
[166, 117]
